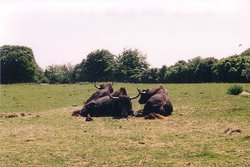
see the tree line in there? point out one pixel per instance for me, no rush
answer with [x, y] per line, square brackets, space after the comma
[18, 65]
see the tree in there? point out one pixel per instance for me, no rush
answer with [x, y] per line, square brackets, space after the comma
[130, 64]
[79, 73]
[246, 74]
[150, 76]
[193, 65]
[179, 72]
[99, 66]
[246, 52]
[163, 73]
[232, 69]
[18, 64]
[204, 70]
[59, 73]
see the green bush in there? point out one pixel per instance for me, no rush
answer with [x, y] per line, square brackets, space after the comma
[235, 90]
[44, 80]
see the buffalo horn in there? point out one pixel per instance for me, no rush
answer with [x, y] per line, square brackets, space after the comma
[132, 98]
[112, 97]
[141, 92]
[96, 86]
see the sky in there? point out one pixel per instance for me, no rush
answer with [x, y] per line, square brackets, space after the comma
[66, 31]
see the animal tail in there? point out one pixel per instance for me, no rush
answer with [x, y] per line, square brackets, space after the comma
[149, 116]
[154, 116]
[159, 116]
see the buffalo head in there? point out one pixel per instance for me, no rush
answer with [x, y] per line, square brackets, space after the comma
[122, 105]
[146, 93]
[105, 86]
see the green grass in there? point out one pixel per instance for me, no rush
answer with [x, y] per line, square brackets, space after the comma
[193, 136]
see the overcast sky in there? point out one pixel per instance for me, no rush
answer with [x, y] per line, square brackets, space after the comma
[61, 31]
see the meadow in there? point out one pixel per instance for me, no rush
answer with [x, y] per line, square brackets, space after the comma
[208, 128]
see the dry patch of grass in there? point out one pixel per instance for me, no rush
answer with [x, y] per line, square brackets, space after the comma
[58, 139]
[245, 94]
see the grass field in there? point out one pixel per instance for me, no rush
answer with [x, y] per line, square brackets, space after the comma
[207, 128]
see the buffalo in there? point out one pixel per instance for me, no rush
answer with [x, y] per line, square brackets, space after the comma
[102, 91]
[117, 104]
[156, 102]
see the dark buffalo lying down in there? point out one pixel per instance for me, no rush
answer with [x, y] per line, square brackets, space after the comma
[156, 102]
[117, 104]
[104, 90]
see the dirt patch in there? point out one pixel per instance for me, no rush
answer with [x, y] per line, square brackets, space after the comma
[3, 115]
[230, 131]
[16, 115]
[28, 139]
